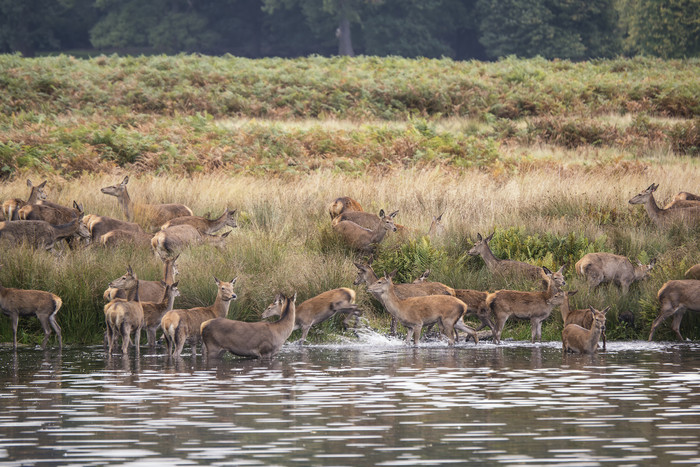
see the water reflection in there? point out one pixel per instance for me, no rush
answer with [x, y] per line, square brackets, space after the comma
[381, 403]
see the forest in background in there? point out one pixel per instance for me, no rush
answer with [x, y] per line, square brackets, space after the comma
[458, 29]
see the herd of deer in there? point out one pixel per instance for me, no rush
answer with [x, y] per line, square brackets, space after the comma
[133, 304]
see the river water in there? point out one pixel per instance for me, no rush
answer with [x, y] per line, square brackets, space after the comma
[374, 401]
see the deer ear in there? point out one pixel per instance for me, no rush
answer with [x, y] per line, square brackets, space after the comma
[29, 183]
[393, 273]
[546, 270]
[652, 263]
[654, 186]
[605, 310]
[393, 214]
[129, 270]
[218, 282]
[175, 284]
[478, 237]
[226, 234]
[294, 298]
[561, 269]
[488, 239]
[381, 213]
[125, 181]
[162, 282]
[233, 281]
[573, 292]
[43, 184]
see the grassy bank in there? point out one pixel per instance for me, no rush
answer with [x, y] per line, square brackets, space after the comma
[545, 216]
[546, 154]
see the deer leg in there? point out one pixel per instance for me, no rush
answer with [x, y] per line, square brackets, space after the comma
[500, 324]
[126, 338]
[15, 322]
[57, 329]
[676, 324]
[469, 330]
[137, 340]
[304, 333]
[416, 334]
[392, 328]
[180, 343]
[603, 334]
[44, 320]
[151, 337]
[666, 311]
[449, 331]
[409, 334]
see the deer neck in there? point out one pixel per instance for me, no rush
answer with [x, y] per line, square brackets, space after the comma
[168, 275]
[216, 224]
[286, 321]
[220, 306]
[33, 196]
[378, 234]
[489, 258]
[564, 308]
[169, 302]
[132, 294]
[652, 208]
[127, 205]
[66, 230]
[594, 334]
[391, 301]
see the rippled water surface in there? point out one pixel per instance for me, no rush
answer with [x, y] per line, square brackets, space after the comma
[376, 402]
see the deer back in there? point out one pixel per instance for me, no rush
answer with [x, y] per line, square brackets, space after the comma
[693, 272]
[343, 204]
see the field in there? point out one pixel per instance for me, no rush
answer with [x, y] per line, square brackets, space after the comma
[544, 154]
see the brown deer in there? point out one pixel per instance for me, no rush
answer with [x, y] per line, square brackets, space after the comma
[676, 297]
[54, 214]
[180, 324]
[505, 267]
[44, 305]
[693, 272]
[153, 312]
[204, 225]
[118, 237]
[102, 225]
[320, 308]
[665, 217]
[41, 234]
[124, 315]
[535, 306]
[582, 317]
[10, 207]
[149, 291]
[578, 339]
[343, 204]
[362, 239]
[174, 239]
[607, 267]
[683, 199]
[436, 228]
[367, 220]
[367, 276]
[415, 312]
[148, 214]
[256, 340]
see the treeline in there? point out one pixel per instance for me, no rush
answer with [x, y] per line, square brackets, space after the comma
[460, 29]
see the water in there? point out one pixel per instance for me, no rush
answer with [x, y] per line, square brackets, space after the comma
[372, 402]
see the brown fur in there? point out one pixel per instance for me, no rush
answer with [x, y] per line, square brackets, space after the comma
[114, 238]
[44, 305]
[102, 225]
[476, 305]
[665, 217]
[148, 215]
[320, 308]
[675, 298]
[343, 204]
[607, 267]
[416, 312]
[123, 316]
[153, 312]
[174, 239]
[693, 272]
[41, 234]
[582, 317]
[204, 225]
[683, 199]
[257, 340]
[180, 324]
[505, 267]
[50, 212]
[578, 339]
[149, 291]
[535, 306]
[10, 207]
[362, 239]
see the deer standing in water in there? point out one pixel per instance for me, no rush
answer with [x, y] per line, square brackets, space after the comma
[676, 297]
[582, 317]
[44, 305]
[149, 291]
[180, 324]
[150, 215]
[10, 207]
[256, 340]
[153, 312]
[124, 315]
[578, 339]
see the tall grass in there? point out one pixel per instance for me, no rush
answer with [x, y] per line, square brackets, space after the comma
[546, 216]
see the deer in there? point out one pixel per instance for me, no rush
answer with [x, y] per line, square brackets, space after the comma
[367, 276]
[505, 267]
[153, 312]
[436, 228]
[102, 225]
[582, 317]
[675, 298]
[367, 220]
[180, 324]
[11, 206]
[598, 268]
[664, 217]
[203, 225]
[54, 214]
[343, 204]
[256, 340]
[535, 306]
[693, 272]
[44, 305]
[578, 339]
[114, 238]
[362, 239]
[41, 234]
[149, 214]
[149, 291]
[319, 309]
[124, 315]
[683, 199]
[173, 239]
[415, 312]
